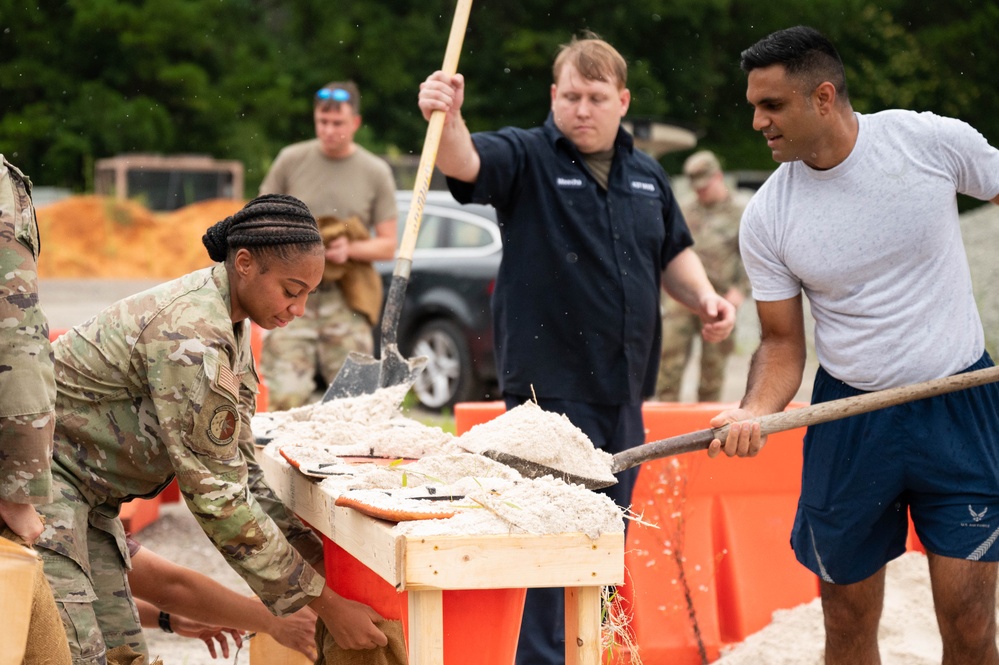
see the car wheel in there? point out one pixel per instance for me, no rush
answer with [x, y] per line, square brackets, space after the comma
[448, 376]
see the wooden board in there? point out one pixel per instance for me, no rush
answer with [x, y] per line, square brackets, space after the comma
[449, 561]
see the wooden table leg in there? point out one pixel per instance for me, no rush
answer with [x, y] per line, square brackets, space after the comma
[582, 625]
[426, 627]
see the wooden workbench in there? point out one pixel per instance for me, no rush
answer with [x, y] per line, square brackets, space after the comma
[424, 566]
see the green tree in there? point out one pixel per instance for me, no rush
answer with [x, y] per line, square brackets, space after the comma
[86, 79]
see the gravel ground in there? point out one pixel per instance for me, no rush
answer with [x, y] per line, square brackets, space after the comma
[177, 536]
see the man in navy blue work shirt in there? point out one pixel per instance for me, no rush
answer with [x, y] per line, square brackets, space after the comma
[590, 230]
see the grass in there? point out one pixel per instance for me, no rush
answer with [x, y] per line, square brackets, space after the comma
[444, 419]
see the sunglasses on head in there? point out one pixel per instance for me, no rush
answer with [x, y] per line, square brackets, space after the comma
[333, 95]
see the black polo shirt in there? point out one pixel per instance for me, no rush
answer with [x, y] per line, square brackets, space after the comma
[576, 303]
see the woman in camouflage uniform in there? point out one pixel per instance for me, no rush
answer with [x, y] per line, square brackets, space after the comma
[162, 385]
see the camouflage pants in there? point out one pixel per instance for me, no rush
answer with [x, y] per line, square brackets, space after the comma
[315, 344]
[86, 560]
[680, 328]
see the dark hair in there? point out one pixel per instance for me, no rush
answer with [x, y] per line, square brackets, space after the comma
[804, 52]
[269, 225]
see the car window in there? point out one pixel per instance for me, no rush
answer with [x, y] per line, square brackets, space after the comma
[467, 235]
[447, 231]
[432, 229]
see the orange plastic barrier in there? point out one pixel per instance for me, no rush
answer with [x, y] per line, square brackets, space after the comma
[257, 348]
[480, 626]
[675, 614]
[757, 571]
[736, 516]
[727, 520]
[469, 414]
[137, 514]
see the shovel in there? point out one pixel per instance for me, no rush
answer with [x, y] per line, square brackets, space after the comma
[770, 424]
[361, 374]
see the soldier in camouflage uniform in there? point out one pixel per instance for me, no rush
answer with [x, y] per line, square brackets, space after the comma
[27, 399]
[27, 384]
[161, 385]
[713, 215]
[337, 179]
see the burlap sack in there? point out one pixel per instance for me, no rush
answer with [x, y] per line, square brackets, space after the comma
[393, 653]
[360, 282]
[46, 642]
[126, 655]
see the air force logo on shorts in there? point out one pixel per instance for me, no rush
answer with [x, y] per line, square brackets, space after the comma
[976, 517]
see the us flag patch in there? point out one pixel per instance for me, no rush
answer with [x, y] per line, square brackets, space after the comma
[227, 380]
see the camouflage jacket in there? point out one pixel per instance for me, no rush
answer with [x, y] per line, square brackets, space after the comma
[27, 384]
[716, 238]
[161, 384]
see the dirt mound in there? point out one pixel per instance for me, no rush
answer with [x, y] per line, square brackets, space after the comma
[95, 236]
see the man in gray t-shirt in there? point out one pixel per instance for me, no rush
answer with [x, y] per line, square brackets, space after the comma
[861, 217]
[351, 193]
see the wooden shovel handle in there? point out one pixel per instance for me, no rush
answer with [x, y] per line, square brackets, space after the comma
[435, 128]
[431, 143]
[809, 415]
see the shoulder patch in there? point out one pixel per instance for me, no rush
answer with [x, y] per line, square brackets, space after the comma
[223, 425]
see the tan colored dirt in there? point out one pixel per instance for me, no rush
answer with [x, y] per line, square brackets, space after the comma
[96, 236]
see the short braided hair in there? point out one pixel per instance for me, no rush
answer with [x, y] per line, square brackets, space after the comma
[270, 224]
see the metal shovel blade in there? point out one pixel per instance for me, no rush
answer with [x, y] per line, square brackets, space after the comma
[363, 375]
[529, 469]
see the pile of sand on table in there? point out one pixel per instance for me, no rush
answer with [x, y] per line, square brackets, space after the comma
[99, 237]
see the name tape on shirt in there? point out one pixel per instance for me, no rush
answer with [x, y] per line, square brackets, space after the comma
[646, 187]
[569, 182]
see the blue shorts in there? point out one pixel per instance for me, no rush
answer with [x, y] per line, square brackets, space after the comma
[935, 458]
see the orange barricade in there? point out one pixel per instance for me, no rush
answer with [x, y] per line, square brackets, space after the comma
[732, 518]
[137, 514]
[257, 348]
[727, 520]
[757, 569]
[469, 414]
[480, 625]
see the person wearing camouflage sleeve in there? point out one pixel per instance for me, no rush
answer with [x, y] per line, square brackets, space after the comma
[161, 385]
[27, 384]
[713, 215]
[27, 401]
[339, 180]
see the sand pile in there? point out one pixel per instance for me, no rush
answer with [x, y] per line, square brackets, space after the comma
[534, 435]
[908, 634]
[96, 237]
[447, 489]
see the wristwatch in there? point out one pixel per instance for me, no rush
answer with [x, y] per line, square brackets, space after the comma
[165, 622]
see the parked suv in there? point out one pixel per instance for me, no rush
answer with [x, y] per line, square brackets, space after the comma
[446, 315]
